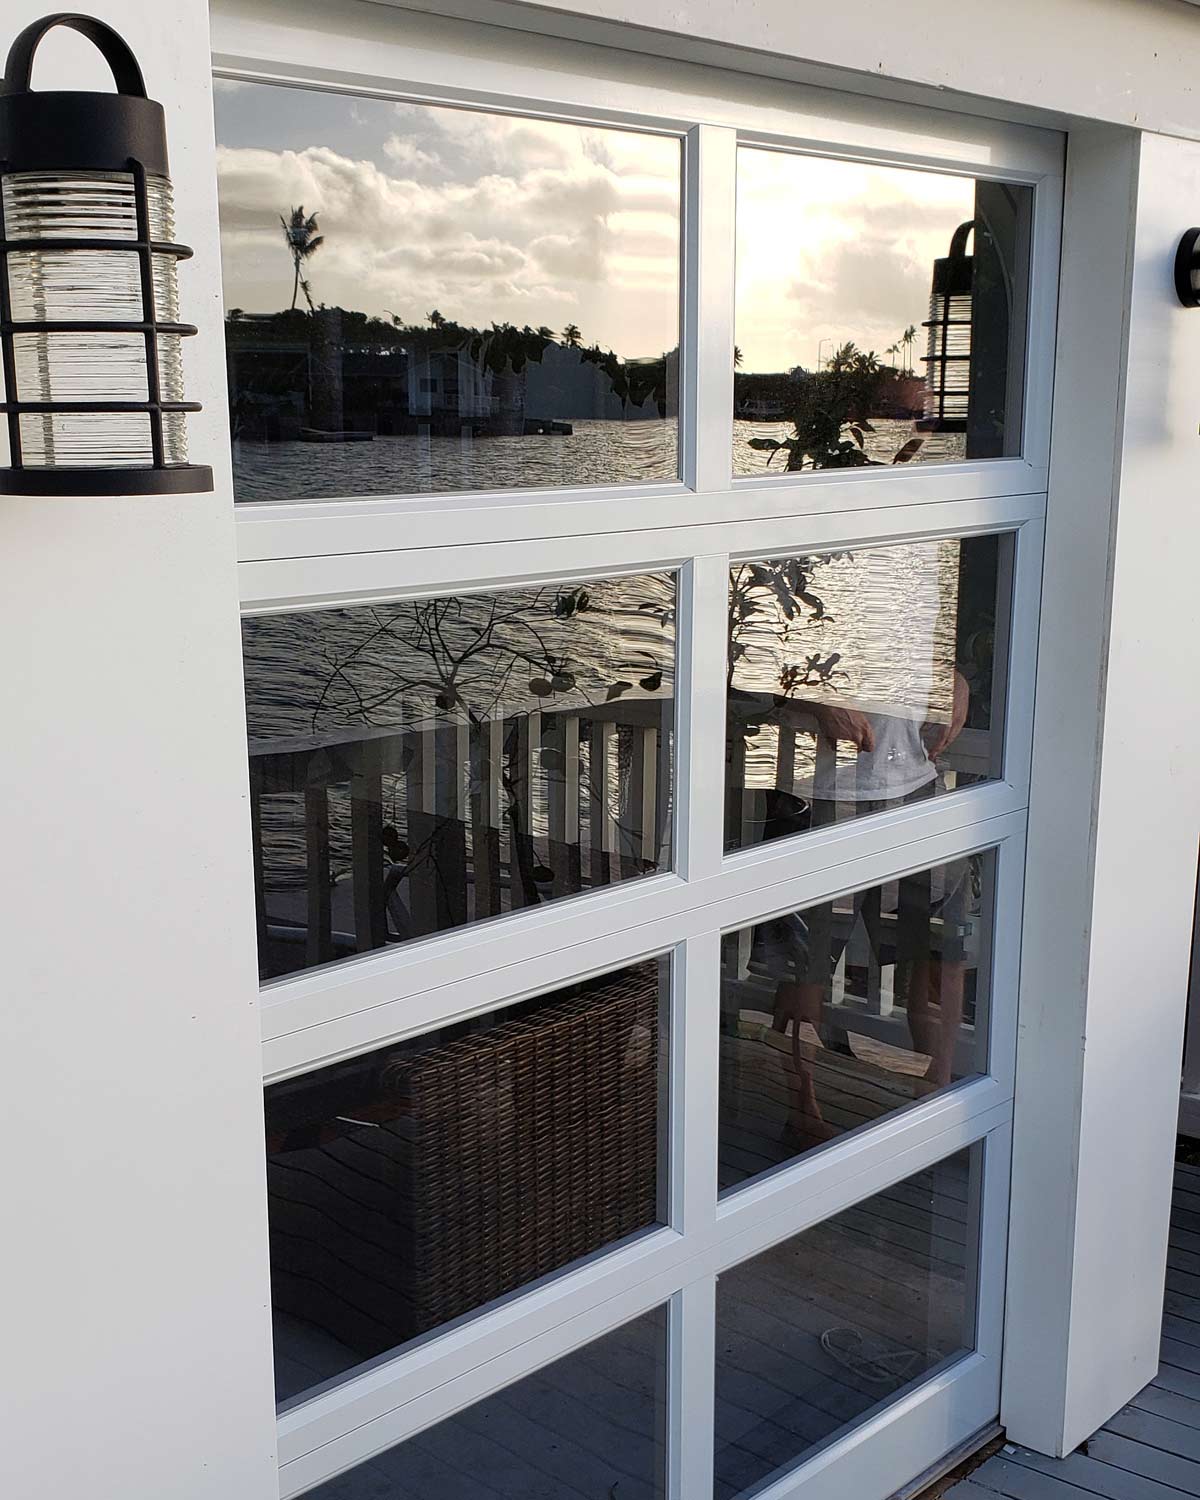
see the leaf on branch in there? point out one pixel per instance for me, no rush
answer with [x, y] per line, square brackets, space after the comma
[540, 688]
[910, 450]
[651, 682]
[616, 690]
[784, 595]
[816, 605]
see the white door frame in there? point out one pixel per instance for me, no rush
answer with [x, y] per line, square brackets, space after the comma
[309, 554]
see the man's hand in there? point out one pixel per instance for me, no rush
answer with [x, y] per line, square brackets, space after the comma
[844, 724]
[939, 737]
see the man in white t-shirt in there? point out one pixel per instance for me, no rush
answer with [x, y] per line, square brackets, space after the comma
[893, 764]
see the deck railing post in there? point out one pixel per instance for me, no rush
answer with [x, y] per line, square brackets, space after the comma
[601, 747]
[318, 941]
[561, 740]
[366, 837]
[486, 752]
[256, 839]
[419, 771]
[448, 835]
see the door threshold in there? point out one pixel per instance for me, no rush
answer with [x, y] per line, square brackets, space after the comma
[953, 1466]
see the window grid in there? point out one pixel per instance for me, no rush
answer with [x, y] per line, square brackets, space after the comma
[356, 551]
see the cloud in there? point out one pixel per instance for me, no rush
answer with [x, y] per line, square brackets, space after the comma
[409, 157]
[485, 217]
[836, 250]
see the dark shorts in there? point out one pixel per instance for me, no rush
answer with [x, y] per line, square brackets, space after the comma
[806, 945]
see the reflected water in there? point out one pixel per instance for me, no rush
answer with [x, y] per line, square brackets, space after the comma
[594, 452]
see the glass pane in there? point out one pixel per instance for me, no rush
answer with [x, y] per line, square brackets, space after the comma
[591, 1426]
[422, 298]
[858, 681]
[821, 1330]
[417, 1183]
[881, 315]
[420, 765]
[838, 1015]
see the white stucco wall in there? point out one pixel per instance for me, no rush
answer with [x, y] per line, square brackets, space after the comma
[136, 1335]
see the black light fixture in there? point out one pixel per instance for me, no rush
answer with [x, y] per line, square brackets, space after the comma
[1187, 269]
[948, 351]
[90, 335]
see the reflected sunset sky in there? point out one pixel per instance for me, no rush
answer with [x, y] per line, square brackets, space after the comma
[490, 217]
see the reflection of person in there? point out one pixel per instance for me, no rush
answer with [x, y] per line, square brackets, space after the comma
[894, 766]
[884, 698]
[896, 753]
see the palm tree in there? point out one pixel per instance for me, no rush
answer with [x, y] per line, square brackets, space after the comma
[907, 338]
[737, 356]
[303, 241]
[572, 336]
[436, 318]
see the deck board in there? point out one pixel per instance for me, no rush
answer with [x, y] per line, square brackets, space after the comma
[1096, 1478]
[1151, 1449]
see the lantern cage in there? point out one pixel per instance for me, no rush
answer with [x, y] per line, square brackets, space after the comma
[90, 337]
[948, 350]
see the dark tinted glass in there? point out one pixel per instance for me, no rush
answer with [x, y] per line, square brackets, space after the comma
[838, 1015]
[859, 681]
[422, 298]
[417, 1183]
[819, 1331]
[591, 1426]
[881, 315]
[421, 765]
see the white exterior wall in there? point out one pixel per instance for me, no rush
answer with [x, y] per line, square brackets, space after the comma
[1108, 926]
[132, 1104]
[1148, 819]
[136, 1336]
[1124, 62]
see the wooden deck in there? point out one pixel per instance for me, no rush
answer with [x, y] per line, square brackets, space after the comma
[1151, 1448]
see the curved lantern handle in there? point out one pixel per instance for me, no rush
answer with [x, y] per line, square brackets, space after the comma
[113, 48]
[958, 242]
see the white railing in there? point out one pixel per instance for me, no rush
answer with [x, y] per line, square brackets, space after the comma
[489, 815]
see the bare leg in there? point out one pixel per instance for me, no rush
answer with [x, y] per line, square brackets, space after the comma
[935, 1028]
[799, 1001]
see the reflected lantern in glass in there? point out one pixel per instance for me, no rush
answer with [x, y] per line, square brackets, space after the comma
[948, 350]
[89, 307]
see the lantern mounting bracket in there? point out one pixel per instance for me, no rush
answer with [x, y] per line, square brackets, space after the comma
[1187, 269]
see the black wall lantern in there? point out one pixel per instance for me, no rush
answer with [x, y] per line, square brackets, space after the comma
[1187, 269]
[89, 310]
[948, 352]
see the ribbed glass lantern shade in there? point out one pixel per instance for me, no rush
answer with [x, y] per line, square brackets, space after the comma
[89, 302]
[72, 286]
[948, 350]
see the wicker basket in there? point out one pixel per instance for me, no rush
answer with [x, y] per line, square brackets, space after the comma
[488, 1162]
